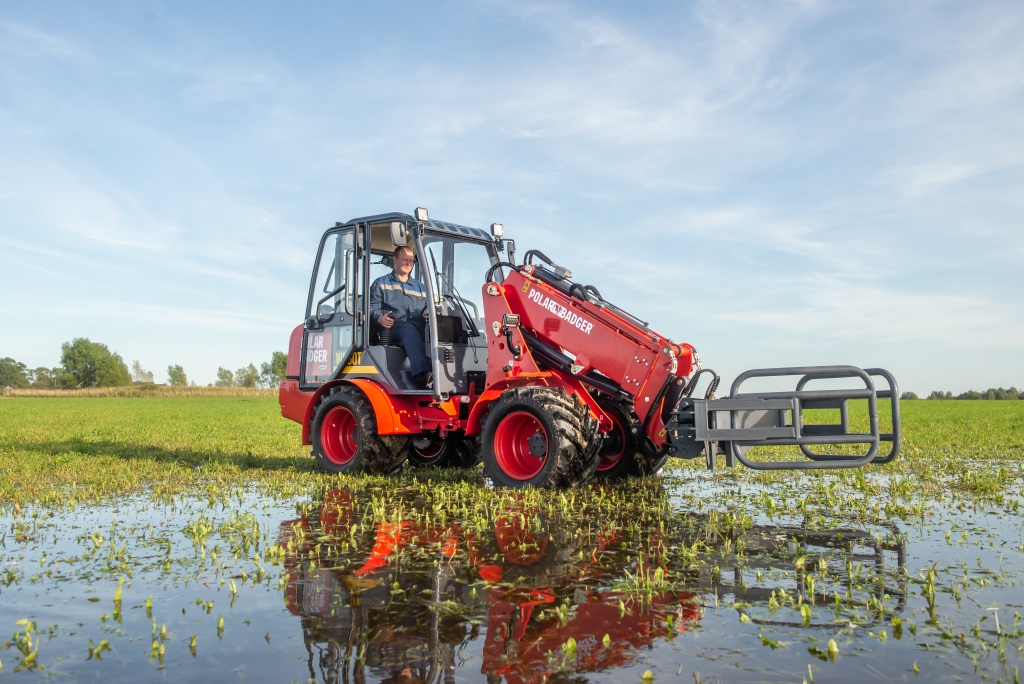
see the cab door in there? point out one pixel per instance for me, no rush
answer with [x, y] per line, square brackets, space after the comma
[334, 294]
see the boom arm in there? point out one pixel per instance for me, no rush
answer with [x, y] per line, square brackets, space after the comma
[543, 325]
[568, 333]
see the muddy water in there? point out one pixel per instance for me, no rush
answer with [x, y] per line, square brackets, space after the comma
[334, 587]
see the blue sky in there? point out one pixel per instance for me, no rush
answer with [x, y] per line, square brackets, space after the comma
[775, 182]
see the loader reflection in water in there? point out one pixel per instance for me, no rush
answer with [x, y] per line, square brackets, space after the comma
[398, 597]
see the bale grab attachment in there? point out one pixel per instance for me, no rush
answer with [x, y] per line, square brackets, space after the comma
[744, 420]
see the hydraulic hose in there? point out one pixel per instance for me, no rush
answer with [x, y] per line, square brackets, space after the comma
[528, 257]
[500, 264]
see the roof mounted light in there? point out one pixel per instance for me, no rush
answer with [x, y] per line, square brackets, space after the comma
[497, 230]
[421, 214]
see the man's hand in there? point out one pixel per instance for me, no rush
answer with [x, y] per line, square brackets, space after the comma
[387, 320]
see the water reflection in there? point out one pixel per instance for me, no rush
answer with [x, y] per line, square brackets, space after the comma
[404, 593]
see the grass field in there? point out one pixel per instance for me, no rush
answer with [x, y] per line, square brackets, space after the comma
[56, 449]
[53, 449]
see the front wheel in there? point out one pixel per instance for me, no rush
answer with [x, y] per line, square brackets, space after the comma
[345, 439]
[625, 450]
[539, 437]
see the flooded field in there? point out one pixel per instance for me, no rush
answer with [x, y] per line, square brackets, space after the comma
[437, 577]
[191, 539]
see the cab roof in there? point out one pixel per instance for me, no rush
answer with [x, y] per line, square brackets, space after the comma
[443, 227]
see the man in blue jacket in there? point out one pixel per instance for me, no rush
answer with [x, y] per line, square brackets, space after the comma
[398, 302]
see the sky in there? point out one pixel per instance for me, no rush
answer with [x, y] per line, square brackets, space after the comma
[777, 182]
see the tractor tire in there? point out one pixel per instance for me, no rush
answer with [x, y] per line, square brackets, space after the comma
[453, 451]
[625, 451]
[649, 460]
[345, 439]
[619, 446]
[539, 437]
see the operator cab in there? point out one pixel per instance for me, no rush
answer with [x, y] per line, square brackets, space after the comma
[340, 339]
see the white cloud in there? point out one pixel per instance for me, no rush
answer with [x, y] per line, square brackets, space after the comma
[25, 40]
[798, 169]
[222, 82]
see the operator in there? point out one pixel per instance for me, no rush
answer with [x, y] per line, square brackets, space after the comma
[398, 302]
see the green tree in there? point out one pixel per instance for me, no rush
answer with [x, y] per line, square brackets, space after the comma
[908, 395]
[271, 374]
[41, 378]
[225, 378]
[248, 376]
[13, 373]
[140, 374]
[51, 378]
[91, 364]
[61, 378]
[937, 394]
[176, 376]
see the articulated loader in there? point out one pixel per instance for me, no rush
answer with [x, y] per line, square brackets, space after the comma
[540, 377]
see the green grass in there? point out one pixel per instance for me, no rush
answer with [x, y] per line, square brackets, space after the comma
[57, 449]
[53, 450]
[958, 447]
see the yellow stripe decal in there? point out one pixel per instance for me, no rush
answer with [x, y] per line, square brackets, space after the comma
[360, 369]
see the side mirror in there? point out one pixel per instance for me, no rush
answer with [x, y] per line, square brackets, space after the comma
[399, 234]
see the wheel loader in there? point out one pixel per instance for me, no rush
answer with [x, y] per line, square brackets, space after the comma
[541, 377]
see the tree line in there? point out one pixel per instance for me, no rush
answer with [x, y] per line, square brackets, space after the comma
[992, 393]
[86, 364]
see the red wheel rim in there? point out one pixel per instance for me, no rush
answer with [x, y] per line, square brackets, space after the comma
[512, 445]
[338, 435]
[613, 446]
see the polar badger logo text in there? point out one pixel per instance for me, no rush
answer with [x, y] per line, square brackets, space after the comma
[565, 314]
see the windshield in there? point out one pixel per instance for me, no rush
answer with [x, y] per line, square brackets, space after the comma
[457, 269]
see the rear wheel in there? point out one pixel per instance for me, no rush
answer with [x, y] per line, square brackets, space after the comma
[345, 439]
[539, 437]
[453, 451]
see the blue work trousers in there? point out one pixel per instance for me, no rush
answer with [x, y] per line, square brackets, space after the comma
[410, 338]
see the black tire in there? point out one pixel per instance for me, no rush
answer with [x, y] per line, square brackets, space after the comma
[625, 451]
[454, 451]
[649, 460]
[345, 439]
[539, 437]
[618, 447]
